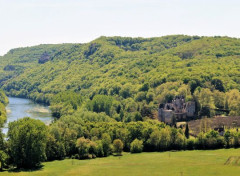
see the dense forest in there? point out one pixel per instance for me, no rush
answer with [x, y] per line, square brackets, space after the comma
[126, 78]
[105, 95]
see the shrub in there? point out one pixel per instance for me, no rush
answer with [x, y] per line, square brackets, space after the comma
[136, 146]
[83, 146]
[117, 146]
[190, 144]
[99, 149]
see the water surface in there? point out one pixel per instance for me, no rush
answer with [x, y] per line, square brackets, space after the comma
[21, 107]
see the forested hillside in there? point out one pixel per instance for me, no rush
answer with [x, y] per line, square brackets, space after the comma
[3, 103]
[126, 78]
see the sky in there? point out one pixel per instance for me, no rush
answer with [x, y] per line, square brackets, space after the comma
[32, 22]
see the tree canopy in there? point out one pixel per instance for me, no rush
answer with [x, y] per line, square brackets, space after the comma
[27, 142]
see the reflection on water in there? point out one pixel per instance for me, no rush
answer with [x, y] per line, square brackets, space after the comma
[21, 107]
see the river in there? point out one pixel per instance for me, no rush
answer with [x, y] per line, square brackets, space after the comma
[21, 107]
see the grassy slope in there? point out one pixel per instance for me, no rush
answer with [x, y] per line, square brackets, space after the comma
[194, 163]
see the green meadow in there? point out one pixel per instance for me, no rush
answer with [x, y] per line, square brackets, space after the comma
[224, 162]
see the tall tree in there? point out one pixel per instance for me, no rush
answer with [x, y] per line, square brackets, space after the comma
[27, 142]
[187, 131]
[117, 146]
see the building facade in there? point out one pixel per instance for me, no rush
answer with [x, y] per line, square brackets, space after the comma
[178, 110]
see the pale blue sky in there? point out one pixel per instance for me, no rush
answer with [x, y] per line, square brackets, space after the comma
[32, 22]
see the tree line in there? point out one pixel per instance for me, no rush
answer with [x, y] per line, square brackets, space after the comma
[30, 142]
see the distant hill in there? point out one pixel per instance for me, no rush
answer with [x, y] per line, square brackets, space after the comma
[137, 73]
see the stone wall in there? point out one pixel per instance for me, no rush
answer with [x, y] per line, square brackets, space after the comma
[165, 116]
[190, 108]
[177, 108]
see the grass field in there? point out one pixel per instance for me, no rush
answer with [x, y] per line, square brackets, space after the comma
[225, 162]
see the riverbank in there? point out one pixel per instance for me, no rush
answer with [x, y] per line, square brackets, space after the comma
[21, 107]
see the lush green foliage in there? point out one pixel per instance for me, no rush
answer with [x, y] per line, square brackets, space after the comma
[95, 139]
[30, 142]
[3, 98]
[117, 146]
[3, 103]
[3, 152]
[107, 90]
[65, 103]
[27, 142]
[85, 148]
[122, 76]
[136, 146]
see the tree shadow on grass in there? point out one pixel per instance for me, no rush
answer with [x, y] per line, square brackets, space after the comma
[14, 169]
[117, 154]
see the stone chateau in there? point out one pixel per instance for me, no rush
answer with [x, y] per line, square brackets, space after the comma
[178, 109]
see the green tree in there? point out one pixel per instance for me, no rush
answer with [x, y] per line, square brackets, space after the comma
[126, 91]
[55, 148]
[187, 131]
[218, 85]
[65, 103]
[165, 138]
[154, 139]
[83, 147]
[99, 149]
[106, 144]
[117, 146]
[27, 142]
[233, 102]
[136, 146]
[144, 87]
[193, 84]
[205, 97]
[3, 159]
[101, 103]
[227, 137]
[219, 98]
